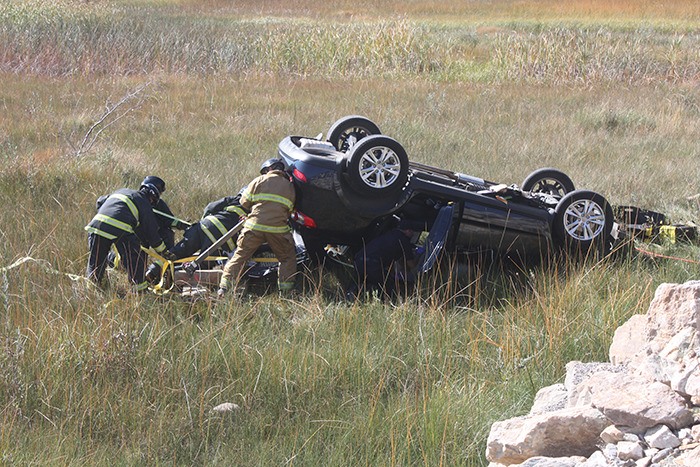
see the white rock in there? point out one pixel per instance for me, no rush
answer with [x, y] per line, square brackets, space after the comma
[695, 432]
[650, 386]
[549, 399]
[655, 368]
[676, 364]
[661, 437]
[629, 450]
[541, 461]
[610, 451]
[612, 434]
[578, 371]
[661, 455]
[689, 458]
[686, 378]
[628, 340]
[597, 459]
[692, 383]
[685, 435]
[635, 402]
[562, 433]
[680, 345]
[225, 407]
[674, 308]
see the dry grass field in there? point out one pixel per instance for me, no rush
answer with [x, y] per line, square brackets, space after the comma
[95, 95]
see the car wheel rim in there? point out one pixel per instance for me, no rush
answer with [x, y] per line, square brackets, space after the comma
[584, 220]
[380, 167]
[549, 186]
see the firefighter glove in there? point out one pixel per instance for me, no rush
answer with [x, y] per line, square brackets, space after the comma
[168, 255]
[181, 225]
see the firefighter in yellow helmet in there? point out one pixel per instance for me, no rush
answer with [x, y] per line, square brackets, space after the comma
[270, 200]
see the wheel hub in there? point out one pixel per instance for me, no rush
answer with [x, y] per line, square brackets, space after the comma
[380, 167]
[584, 220]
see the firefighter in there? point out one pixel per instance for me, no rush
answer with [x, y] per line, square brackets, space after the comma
[165, 217]
[374, 261]
[218, 218]
[125, 219]
[270, 200]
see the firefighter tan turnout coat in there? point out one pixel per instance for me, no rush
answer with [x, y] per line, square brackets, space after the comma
[270, 200]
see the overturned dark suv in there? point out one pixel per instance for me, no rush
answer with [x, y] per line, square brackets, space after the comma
[355, 183]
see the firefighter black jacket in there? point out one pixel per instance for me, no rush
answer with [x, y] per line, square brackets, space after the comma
[126, 212]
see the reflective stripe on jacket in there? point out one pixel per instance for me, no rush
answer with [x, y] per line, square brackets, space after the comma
[270, 200]
[220, 216]
[214, 228]
[230, 204]
[126, 212]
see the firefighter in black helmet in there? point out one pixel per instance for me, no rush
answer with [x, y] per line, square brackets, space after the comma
[125, 219]
[164, 216]
[219, 216]
[271, 164]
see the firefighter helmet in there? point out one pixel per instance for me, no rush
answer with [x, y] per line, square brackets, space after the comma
[157, 182]
[272, 164]
[151, 191]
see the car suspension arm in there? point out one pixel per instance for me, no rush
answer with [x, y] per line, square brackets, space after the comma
[456, 176]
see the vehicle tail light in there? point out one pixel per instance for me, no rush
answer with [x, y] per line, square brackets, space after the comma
[299, 175]
[303, 220]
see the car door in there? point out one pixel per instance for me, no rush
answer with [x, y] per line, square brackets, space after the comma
[436, 239]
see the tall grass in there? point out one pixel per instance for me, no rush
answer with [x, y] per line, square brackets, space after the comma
[598, 55]
[85, 41]
[134, 380]
[87, 377]
[90, 43]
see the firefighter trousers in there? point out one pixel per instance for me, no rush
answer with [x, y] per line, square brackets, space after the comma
[281, 244]
[129, 248]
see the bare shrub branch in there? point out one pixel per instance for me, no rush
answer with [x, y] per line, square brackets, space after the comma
[112, 114]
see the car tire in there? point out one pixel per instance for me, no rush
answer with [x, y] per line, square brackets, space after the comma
[583, 221]
[347, 131]
[551, 181]
[377, 166]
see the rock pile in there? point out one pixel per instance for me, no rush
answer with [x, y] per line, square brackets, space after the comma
[642, 409]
